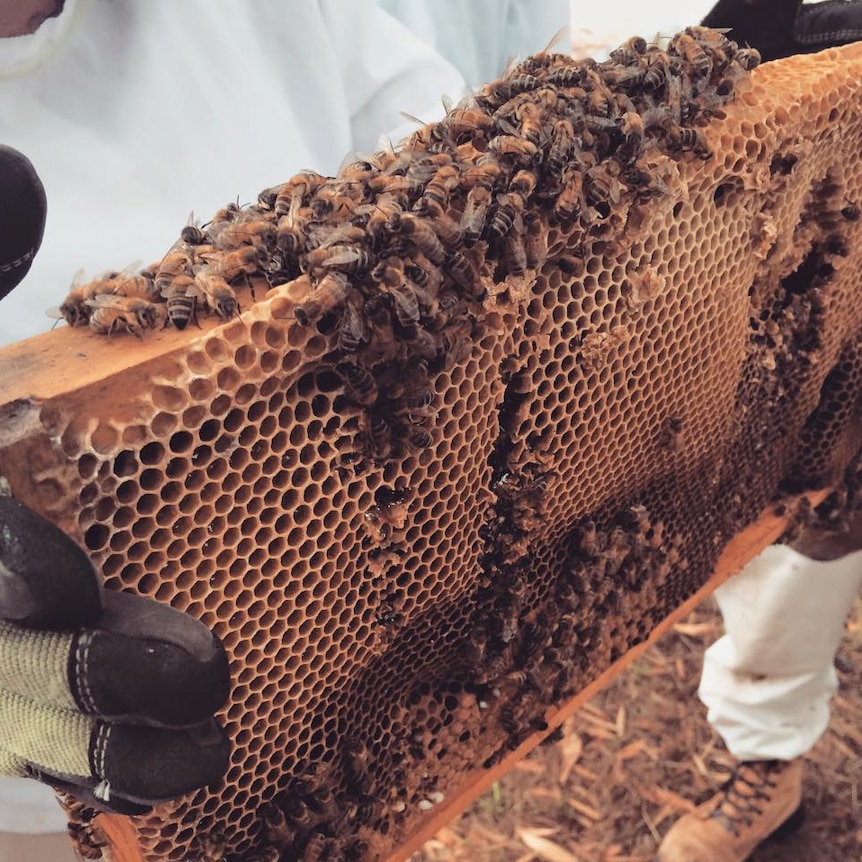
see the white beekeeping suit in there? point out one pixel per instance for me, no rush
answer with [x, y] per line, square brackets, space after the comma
[480, 37]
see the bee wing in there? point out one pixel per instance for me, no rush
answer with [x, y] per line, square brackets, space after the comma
[410, 118]
[565, 32]
[54, 313]
[347, 256]
[336, 235]
[508, 127]
[103, 300]
[79, 278]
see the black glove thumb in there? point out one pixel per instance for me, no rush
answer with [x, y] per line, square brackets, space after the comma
[22, 217]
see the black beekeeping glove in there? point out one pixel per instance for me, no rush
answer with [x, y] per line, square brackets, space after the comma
[107, 695]
[22, 217]
[779, 28]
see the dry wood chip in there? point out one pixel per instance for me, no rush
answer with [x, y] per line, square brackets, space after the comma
[587, 810]
[531, 766]
[571, 748]
[543, 847]
[663, 796]
[620, 723]
[633, 749]
[584, 772]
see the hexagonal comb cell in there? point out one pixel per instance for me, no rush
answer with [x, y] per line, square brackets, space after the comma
[511, 389]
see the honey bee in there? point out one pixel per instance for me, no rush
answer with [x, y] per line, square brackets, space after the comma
[75, 309]
[465, 275]
[685, 46]
[630, 52]
[515, 252]
[379, 213]
[441, 185]
[289, 238]
[218, 295]
[571, 200]
[502, 91]
[212, 847]
[298, 812]
[320, 848]
[181, 301]
[568, 76]
[466, 120]
[87, 838]
[690, 140]
[406, 306]
[177, 262]
[475, 212]
[421, 234]
[378, 439]
[562, 143]
[355, 758]
[383, 344]
[230, 236]
[191, 234]
[509, 207]
[112, 314]
[423, 273]
[671, 432]
[343, 258]
[296, 191]
[632, 127]
[519, 149]
[331, 291]
[529, 115]
[243, 261]
[484, 173]
[77, 306]
[275, 826]
[602, 187]
[570, 264]
[748, 58]
[536, 239]
[850, 211]
[359, 383]
[656, 72]
[447, 229]
[353, 330]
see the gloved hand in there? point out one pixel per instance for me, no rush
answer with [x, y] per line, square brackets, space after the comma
[105, 695]
[779, 28]
[22, 217]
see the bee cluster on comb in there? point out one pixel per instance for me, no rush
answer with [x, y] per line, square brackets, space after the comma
[504, 394]
[393, 246]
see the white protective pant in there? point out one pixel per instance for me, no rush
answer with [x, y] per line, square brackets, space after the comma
[767, 683]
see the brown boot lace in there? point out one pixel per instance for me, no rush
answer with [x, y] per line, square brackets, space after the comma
[746, 792]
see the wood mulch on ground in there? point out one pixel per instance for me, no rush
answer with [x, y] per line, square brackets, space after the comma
[641, 753]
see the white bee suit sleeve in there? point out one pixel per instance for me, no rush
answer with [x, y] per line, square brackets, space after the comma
[135, 113]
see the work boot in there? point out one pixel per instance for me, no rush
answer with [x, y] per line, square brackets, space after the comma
[761, 797]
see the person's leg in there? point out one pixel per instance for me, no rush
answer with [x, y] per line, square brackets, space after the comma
[767, 685]
[768, 681]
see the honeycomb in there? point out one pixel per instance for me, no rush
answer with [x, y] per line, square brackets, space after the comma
[420, 516]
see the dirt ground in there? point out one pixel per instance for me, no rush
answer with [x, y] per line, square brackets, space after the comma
[641, 753]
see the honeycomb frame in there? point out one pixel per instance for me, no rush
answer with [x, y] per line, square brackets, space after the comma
[394, 622]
